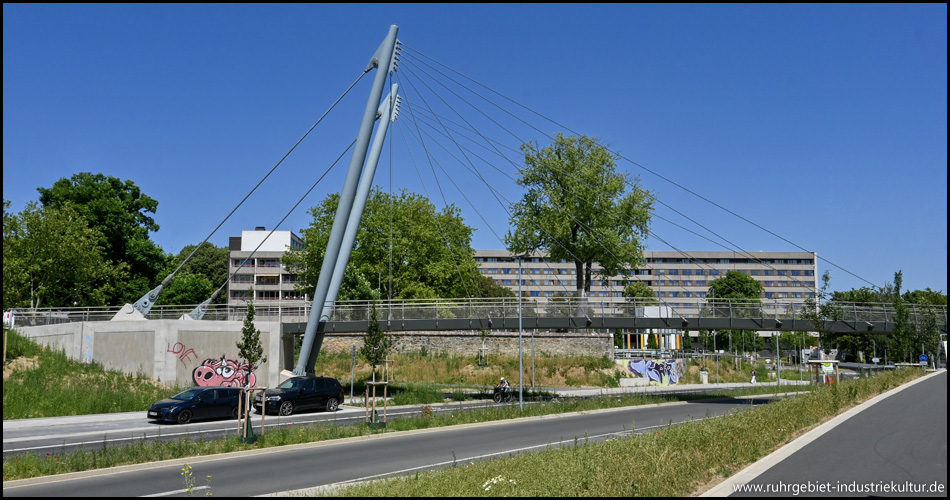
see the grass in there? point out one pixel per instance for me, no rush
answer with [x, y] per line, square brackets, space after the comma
[694, 453]
[30, 465]
[672, 462]
[48, 384]
[464, 371]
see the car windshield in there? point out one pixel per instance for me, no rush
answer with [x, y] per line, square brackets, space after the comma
[294, 383]
[189, 394]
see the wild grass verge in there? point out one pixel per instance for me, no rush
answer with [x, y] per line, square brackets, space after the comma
[46, 383]
[671, 462]
[31, 465]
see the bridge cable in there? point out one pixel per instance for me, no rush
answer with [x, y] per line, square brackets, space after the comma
[632, 162]
[244, 260]
[664, 204]
[272, 170]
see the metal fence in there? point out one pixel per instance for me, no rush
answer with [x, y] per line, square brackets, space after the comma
[509, 307]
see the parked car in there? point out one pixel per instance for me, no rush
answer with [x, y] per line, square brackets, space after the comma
[197, 403]
[301, 393]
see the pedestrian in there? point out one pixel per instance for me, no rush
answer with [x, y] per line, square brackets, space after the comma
[753, 375]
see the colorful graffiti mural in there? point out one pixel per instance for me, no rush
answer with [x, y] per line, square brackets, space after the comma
[226, 372]
[662, 372]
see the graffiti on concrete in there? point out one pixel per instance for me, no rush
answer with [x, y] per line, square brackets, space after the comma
[182, 352]
[663, 372]
[224, 371]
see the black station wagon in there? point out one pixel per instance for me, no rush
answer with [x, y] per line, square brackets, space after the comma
[197, 403]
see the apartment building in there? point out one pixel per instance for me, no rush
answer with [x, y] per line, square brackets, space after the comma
[679, 279]
[254, 260]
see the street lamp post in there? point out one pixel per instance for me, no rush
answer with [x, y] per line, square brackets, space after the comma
[520, 367]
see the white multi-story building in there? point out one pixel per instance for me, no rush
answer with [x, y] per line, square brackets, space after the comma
[254, 260]
[681, 280]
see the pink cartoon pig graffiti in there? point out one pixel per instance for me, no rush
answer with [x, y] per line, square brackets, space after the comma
[225, 372]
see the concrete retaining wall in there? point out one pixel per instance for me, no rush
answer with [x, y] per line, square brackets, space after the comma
[182, 352]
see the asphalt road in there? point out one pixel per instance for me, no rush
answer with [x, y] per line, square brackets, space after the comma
[893, 445]
[302, 467]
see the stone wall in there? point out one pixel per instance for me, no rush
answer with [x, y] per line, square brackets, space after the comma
[468, 343]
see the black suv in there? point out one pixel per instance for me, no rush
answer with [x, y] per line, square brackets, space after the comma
[299, 393]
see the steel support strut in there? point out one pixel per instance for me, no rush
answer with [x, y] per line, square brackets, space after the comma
[382, 61]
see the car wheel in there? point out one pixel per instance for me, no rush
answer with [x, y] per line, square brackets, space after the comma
[184, 417]
[235, 412]
[286, 408]
[333, 404]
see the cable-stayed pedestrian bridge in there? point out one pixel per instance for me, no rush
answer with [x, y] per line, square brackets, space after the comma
[549, 313]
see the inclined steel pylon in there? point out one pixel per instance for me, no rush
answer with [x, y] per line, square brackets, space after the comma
[383, 60]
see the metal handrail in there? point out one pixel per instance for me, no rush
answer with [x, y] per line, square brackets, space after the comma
[532, 307]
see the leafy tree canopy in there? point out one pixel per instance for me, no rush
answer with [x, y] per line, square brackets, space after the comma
[405, 248]
[119, 211]
[736, 285]
[577, 207]
[640, 291]
[52, 258]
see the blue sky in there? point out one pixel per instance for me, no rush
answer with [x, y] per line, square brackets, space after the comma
[825, 125]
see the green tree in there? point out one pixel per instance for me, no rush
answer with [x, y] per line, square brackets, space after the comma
[405, 248]
[744, 292]
[376, 344]
[119, 211]
[209, 261]
[641, 293]
[187, 289]
[904, 332]
[250, 349]
[52, 258]
[652, 342]
[822, 308]
[577, 208]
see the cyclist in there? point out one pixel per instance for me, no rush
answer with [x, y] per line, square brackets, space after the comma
[504, 385]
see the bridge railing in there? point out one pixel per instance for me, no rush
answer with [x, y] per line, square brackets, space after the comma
[507, 307]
